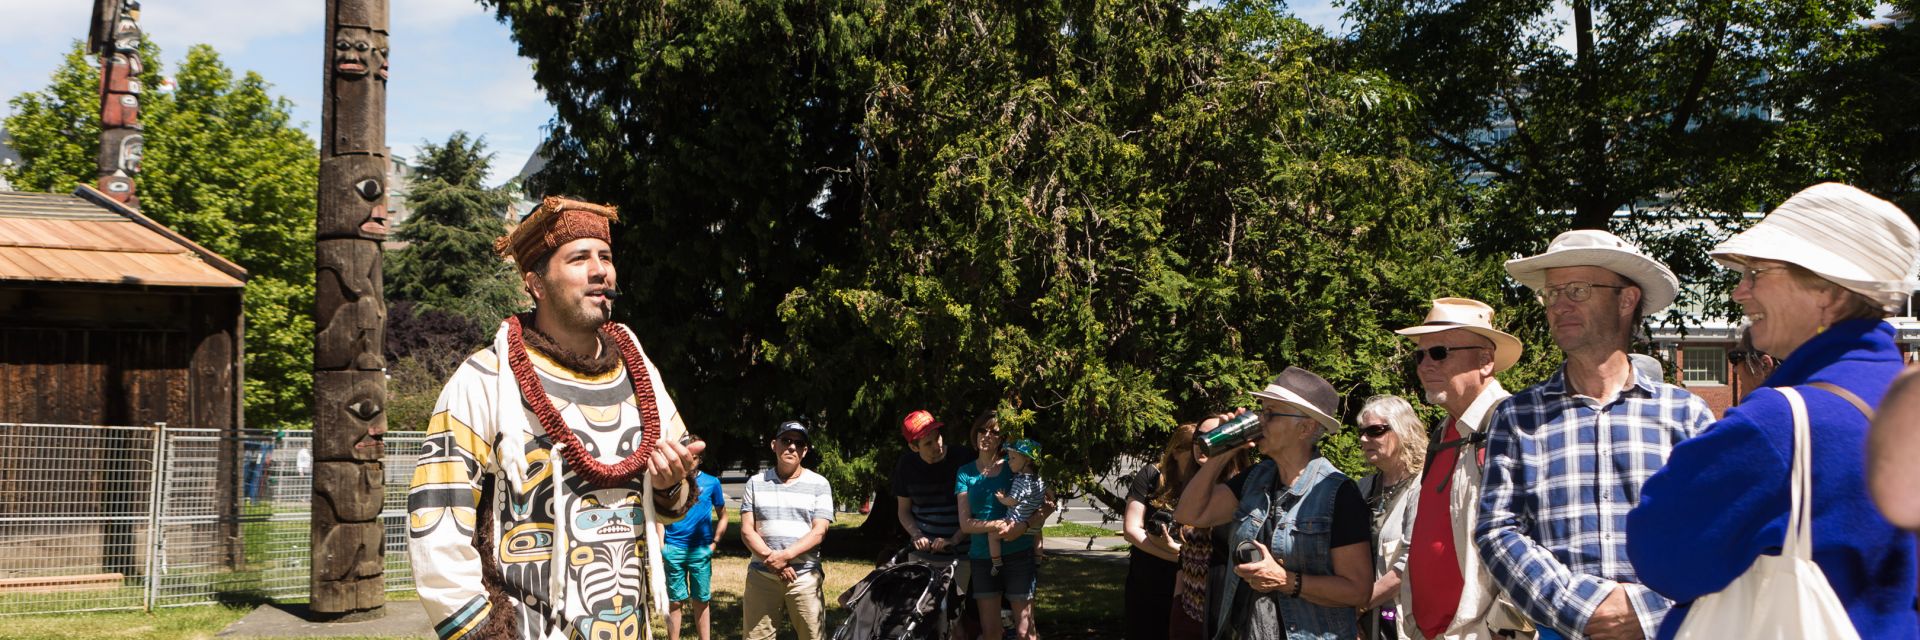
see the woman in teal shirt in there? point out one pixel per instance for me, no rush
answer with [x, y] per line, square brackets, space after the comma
[980, 515]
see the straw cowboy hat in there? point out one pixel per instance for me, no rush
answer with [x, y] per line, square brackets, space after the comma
[1595, 248]
[1472, 316]
[1306, 391]
[1839, 233]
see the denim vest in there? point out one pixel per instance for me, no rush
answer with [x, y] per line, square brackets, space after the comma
[1302, 539]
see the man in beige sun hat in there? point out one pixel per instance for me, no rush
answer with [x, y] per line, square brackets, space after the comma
[1451, 595]
[1566, 458]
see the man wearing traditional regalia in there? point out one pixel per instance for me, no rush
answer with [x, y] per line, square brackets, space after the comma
[549, 456]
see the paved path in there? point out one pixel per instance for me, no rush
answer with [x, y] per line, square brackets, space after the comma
[405, 619]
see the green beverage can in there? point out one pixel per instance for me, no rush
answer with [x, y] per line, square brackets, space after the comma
[1236, 431]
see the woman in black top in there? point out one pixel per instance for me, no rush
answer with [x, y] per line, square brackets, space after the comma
[1152, 564]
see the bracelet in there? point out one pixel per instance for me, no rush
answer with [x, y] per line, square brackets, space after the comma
[1297, 584]
[669, 492]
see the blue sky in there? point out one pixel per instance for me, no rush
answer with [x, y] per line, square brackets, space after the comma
[454, 67]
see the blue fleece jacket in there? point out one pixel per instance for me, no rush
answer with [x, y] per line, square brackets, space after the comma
[1722, 499]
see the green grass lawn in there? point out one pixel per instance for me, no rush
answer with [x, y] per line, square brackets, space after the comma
[1078, 597]
[1077, 530]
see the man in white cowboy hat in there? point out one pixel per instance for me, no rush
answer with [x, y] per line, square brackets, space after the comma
[1566, 457]
[1458, 354]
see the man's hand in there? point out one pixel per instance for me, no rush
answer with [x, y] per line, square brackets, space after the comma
[1265, 575]
[1614, 618]
[670, 462]
[776, 560]
[789, 575]
[938, 545]
[921, 543]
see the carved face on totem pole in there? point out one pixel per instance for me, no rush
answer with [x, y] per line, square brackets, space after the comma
[354, 413]
[365, 177]
[352, 321]
[359, 68]
[126, 29]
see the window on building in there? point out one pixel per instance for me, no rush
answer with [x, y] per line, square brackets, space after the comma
[1704, 365]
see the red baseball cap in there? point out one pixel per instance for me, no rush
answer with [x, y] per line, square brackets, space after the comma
[917, 425]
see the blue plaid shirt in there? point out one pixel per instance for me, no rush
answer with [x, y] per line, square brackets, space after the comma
[1563, 470]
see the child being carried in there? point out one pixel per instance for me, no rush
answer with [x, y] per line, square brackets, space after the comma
[1024, 494]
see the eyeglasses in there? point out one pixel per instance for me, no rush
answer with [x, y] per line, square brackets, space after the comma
[794, 443]
[1575, 291]
[1738, 357]
[1375, 430]
[1437, 353]
[1753, 273]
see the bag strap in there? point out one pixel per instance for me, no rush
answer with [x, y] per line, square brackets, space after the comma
[1845, 395]
[1799, 517]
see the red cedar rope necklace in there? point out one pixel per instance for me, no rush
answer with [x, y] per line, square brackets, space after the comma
[578, 462]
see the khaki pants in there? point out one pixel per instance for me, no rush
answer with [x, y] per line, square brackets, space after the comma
[767, 594]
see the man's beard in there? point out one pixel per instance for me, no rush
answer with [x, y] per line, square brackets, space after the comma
[1437, 397]
[581, 316]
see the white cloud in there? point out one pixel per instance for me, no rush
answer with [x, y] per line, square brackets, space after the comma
[42, 20]
[434, 15]
[229, 25]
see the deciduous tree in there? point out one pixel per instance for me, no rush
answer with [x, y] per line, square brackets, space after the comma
[224, 166]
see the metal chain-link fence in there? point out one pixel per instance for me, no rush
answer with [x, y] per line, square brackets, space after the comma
[107, 517]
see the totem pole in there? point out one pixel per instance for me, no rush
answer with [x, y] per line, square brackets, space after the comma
[349, 381]
[115, 38]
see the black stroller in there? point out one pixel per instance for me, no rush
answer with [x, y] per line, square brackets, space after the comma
[902, 599]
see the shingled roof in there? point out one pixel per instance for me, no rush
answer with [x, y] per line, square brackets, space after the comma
[86, 237]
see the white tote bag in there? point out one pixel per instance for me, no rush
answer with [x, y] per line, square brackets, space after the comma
[1785, 596]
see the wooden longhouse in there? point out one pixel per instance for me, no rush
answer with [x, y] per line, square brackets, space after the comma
[108, 318]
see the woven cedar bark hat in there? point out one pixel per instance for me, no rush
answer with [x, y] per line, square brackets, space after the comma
[556, 222]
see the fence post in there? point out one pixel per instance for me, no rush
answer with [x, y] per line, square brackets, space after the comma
[154, 537]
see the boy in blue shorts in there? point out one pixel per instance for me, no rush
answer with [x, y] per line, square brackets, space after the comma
[688, 554]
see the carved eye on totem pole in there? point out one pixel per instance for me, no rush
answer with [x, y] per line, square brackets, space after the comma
[133, 149]
[370, 190]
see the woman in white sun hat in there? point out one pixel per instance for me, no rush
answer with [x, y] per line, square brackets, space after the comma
[1817, 276]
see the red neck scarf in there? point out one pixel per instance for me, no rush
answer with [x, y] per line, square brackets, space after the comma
[578, 461]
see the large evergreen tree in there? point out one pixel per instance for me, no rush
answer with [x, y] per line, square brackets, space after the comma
[1675, 111]
[449, 264]
[1095, 219]
[224, 166]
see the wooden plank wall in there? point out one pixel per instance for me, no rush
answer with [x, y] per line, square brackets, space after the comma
[82, 359]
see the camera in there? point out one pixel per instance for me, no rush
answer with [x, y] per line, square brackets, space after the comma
[1248, 551]
[1159, 522]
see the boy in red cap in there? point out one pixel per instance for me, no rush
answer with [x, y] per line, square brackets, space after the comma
[926, 504]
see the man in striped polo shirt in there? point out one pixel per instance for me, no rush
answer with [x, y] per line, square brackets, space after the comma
[783, 518]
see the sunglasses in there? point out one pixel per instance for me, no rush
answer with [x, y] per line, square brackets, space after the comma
[792, 442]
[1375, 430]
[1739, 357]
[1437, 354]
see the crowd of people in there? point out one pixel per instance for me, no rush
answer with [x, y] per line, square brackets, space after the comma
[1602, 502]
[557, 494]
